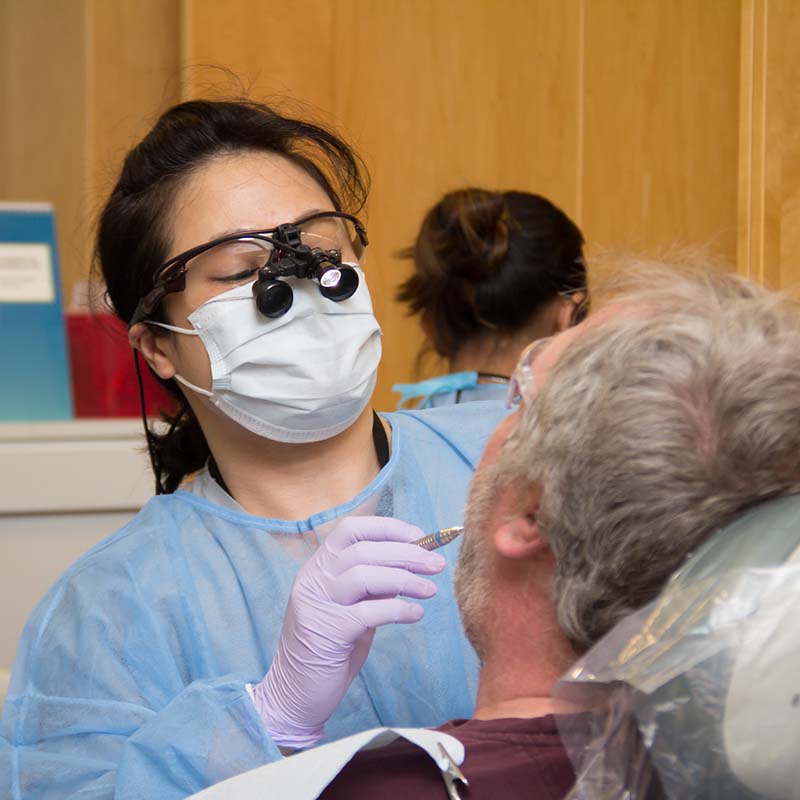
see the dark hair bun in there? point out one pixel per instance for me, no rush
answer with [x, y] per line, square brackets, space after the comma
[490, 260]
[467, 234]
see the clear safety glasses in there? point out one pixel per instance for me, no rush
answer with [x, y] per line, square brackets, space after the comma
[522, 386]
[314, 247]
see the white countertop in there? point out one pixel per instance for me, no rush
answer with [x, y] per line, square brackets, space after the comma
[86, 429]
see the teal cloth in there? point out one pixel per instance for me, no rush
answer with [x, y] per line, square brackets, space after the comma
[130, 676]
[442, 384]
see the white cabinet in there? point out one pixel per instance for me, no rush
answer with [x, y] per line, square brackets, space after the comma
[63, 487]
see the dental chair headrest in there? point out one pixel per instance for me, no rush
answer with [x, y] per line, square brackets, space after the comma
[761, 726]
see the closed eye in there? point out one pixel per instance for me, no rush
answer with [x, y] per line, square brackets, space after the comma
[239, 277]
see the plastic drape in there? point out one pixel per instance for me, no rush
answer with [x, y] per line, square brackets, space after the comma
[698, 694]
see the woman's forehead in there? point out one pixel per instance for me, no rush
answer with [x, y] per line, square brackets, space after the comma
[239, 192]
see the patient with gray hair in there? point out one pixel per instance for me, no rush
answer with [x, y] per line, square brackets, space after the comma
[640, 433]
[676, 408]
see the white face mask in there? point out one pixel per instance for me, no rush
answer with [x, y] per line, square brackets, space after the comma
[303, 377]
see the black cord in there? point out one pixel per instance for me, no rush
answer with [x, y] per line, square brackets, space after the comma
[380, 441]
[213, 470]
[147, 434]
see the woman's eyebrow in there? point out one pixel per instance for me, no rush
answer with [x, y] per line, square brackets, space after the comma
[238, 230]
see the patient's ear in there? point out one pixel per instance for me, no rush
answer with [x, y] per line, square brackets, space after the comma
[520, 537]
[142, 338]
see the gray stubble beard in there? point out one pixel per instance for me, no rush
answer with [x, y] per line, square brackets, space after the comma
[471, 580]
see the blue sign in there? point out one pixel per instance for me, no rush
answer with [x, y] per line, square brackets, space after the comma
[34, 365]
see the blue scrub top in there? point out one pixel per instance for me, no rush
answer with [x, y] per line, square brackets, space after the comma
[130, 677]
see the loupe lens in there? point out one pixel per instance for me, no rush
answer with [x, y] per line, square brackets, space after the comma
[330, 279]
[343, 288]
[273, 299]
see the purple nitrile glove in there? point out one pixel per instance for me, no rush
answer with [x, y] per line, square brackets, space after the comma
[340, 596]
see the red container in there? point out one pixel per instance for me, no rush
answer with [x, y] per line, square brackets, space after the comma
[103, 375]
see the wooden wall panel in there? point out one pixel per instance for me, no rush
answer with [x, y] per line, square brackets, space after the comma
[44, 117]
[5, 85]
[650, 122]
[787, 23]
[661, 123]
[133, 75]
[769, 158]
[81, 80]
[436, 94]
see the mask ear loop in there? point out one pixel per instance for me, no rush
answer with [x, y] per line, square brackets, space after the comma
[147, 432]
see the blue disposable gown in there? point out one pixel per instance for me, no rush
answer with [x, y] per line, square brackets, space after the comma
[130, 677]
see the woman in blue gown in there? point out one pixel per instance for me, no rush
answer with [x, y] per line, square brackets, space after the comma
[165, 659]
[493, 271]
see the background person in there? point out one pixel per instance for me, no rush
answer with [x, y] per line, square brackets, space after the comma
[644, 431]
[493, 271]
[173, 655]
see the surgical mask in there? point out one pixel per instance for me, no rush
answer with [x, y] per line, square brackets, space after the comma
[303, 377]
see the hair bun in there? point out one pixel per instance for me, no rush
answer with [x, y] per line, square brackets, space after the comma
[489, 261]
[477, 225]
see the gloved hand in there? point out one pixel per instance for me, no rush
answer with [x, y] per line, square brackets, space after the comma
[338, 599]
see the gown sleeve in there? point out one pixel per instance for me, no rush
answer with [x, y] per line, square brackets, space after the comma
[101, 706]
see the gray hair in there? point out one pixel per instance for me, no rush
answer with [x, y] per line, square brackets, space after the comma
[654, 429]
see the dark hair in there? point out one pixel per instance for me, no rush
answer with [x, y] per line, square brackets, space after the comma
[490, 261]
[133, 234]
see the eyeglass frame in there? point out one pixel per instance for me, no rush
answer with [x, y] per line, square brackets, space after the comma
[523, 376]
[177, 283]
[523, 373]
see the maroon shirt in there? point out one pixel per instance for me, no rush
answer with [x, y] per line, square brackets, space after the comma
[508, 758]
